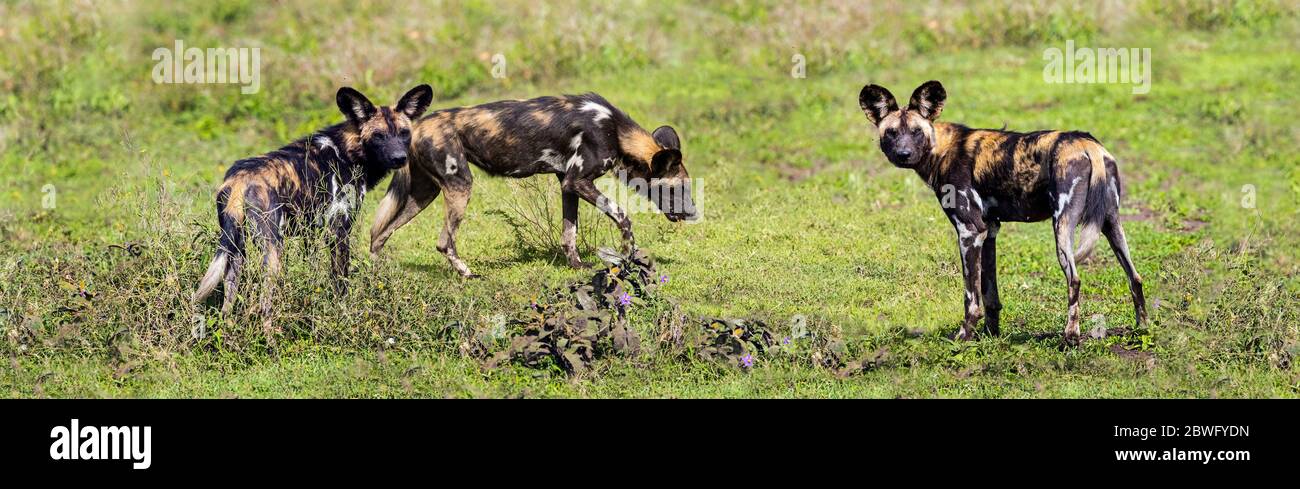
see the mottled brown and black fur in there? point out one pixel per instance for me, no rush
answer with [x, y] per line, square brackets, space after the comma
[983, 177]
[315, 182]
[577, 138]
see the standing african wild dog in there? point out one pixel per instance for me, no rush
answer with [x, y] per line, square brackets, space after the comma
[983, 177]
[314, 181]
[576, 138]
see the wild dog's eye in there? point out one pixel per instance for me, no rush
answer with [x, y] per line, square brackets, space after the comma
[891, 132]
[405, 132]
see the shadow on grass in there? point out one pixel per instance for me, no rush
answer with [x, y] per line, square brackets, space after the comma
[439, 268]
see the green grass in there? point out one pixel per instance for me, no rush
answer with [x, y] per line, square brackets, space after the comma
[803, 214]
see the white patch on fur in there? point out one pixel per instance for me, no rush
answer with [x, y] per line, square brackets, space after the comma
[965, 233]
[962, 232]
[972, 195]
[453, 165]
[575, 161]
[1065, 199]
[609, 163]
[601, 111]
[552, 158]
[341, 204]
[325, 142]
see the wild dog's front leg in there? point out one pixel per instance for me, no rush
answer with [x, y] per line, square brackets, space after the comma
[971, 232]
[340, 229]
[989, 276]
[571, 230]
[587, 191]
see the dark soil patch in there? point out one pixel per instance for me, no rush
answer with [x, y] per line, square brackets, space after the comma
[1135, 355]
[1193, 225]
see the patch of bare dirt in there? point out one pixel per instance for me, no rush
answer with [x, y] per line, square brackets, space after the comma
[1135, 355]
[796, 174]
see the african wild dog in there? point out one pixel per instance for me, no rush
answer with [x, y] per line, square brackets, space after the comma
[314, 182]
[983, 177]
[576, 138]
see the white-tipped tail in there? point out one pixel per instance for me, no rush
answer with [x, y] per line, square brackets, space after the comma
[211, 278]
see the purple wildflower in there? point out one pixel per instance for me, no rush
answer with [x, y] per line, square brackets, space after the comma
[663, 279]
[747, 361]
[625, 300]
[787, 340]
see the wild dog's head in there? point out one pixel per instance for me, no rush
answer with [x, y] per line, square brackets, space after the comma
[906, 135]
[385, 132]
[669, 184]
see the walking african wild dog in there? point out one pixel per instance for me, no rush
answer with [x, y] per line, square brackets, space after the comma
[576, 138]
[317, 181]
[983, 177]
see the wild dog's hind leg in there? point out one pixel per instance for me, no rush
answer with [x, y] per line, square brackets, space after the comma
[232, 282]
[411, 190]
[232, 238]
[271, 241]
[989, 276]
[456, 184]
[1068, 212]
[1115, 234]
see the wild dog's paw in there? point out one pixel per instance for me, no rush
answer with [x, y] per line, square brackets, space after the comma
[962, 334]
[1071, 339]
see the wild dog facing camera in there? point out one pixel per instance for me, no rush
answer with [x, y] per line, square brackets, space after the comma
[316, 181]
[908, 134]
[983, 177]
[385, 131]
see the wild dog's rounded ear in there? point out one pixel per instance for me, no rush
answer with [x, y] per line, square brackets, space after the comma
[664, 161]
[928, 100]
[415, 101]
[354, 105]
[876, 102]
[666, 136]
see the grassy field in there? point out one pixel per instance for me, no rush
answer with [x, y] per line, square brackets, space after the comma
[106, 214]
